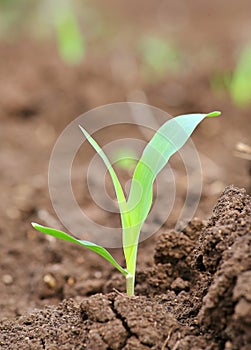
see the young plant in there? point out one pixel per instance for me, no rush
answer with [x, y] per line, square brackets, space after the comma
[238, 82]
[71, 43]
[240, 86]
[124, 158]
[159, 57]
[170, 137]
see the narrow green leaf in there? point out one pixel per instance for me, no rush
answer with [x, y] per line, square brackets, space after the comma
[170, 137]
[117, 186]
[92, 246]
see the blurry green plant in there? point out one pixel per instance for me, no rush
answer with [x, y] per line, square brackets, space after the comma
[7, 2]
[159, 57]
[238, 82]
[124, 158]
[169, 138]
[240, 86]
[69, 37]
[11, 13]
[15, 15]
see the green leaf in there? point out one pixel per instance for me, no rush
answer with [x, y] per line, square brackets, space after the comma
[70, 39]
[92, 246]
[159, 55]
[124, 158]
[213, 114]
[240, 87]
[170, 137]
[125, 219]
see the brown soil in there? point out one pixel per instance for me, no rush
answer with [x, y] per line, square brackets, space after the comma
[196, 295]
[193, 286]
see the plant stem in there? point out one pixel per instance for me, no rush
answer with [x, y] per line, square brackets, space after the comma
[130, 279]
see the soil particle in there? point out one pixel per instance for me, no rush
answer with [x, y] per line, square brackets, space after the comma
[97, 308]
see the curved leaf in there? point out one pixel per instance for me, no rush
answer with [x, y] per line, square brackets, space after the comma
[170, 137]
[117, 186]
[92, 246]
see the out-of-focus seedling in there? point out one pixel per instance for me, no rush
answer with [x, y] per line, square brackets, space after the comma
[159, 57]
[238, 82]
[124, 158]
[39, 18]
[69, 37]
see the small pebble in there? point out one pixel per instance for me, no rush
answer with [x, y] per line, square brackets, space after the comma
[80, 260]
[228, 345]
[71, 281]
[50, 281]
[98, 274]
[243, 222]
[7, 279]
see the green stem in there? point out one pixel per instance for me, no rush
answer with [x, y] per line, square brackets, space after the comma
[130, 246]
[130, 280]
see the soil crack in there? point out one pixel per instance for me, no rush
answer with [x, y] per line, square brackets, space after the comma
[125, 323]
[43, 343]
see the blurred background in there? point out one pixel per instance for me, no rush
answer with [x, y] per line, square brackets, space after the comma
[61, 58]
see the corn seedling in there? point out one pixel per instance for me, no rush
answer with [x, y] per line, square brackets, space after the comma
[69, 37]
[124, 158]
[238, 82]
[159, 57]
[168, 139]
[39, 16]
[241, 82]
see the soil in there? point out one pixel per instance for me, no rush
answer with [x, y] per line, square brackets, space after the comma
[192, 286]
[195, 296]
